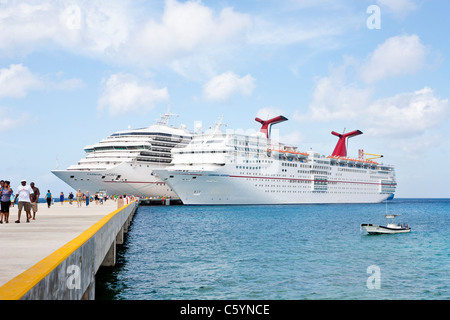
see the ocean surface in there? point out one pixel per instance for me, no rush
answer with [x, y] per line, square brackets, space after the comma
[282, 252]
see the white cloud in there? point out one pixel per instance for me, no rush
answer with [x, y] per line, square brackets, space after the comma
[17, 80]
[117, 31]
[185, 28]
[402, 115]
[123, 93]
[399, 55]
[225, 85]
[334, 98]
[88, 27]
[9, 122]
[179, 34]
[407, 113]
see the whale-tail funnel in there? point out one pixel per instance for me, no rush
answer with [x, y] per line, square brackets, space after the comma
[341, 149]
[267, 124]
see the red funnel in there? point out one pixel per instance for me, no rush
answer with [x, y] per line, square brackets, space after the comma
[341, 150]
[267, 124]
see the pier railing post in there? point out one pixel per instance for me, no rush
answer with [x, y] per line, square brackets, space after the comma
[110, 258]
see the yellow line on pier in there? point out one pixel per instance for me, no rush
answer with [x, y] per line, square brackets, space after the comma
[21, 284]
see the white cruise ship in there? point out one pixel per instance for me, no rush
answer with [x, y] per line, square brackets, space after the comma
[123, 163]
[230, 168]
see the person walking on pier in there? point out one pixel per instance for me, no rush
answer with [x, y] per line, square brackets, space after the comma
[87, 198]
[23, 193]
[70, 197]
[6, 193]
[61, 198]
[49, 198]
[79, 197]
[120, 202]
[34, 199]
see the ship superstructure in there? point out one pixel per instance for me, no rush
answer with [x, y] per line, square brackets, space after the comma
[230, 168]
[123, 163]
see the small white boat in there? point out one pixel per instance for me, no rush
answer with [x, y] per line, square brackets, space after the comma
[391, 227]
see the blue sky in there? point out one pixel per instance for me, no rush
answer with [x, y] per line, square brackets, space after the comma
[73, 72]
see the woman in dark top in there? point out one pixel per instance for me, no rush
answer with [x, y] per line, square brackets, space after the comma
[6, 193]
[49, 198]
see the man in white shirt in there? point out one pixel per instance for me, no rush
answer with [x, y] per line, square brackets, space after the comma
[23, 193]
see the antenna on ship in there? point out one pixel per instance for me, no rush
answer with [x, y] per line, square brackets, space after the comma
[165, 117]
[219, 124]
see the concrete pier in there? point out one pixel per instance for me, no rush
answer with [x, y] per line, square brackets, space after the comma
[56, 256]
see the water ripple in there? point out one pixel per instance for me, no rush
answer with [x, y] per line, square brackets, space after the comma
[280, 252]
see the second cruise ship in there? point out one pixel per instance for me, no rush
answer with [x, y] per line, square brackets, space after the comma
[230, 168]
[123, 163]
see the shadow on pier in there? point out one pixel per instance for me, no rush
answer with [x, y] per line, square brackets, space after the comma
[160, 202]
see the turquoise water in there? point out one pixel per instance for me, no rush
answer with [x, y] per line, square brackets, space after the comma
[292, 252]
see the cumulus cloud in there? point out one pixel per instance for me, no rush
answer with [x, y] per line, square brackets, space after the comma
[88, 27]
[181, 35]
[399, 55]
[407, 113]
[17, 80]
[185, 28]
[226, 84]
[9, 121]
[333, 99]
[116, 31]
[402, 115]
[122, 93]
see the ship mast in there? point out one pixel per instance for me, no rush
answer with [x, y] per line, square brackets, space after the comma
[219, 124]
[165, 117]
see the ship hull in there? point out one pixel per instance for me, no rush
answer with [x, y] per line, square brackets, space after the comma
[126, 178]
[216, 188]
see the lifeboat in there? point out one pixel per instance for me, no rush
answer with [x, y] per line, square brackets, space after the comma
[289, 154]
